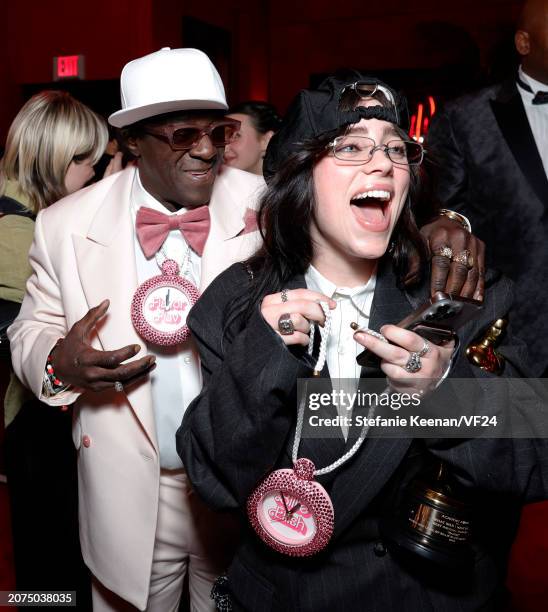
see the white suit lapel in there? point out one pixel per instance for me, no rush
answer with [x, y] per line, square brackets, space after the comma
[107, 269]
[233, 194]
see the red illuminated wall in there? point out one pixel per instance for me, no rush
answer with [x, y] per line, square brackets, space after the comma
[313, 36]
[110, 33]
[277, 44]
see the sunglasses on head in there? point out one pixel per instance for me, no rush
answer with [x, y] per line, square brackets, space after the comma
[181, 137]
[373, 90]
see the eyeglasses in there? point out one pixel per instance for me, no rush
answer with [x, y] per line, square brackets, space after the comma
[181, 137]
[360, 149]
[369, 90]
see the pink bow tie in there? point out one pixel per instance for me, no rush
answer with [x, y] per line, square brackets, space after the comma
[153, 228]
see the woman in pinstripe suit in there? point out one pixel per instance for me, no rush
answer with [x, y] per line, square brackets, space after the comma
[339, 226]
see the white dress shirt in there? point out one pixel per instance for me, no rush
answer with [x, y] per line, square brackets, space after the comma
[537, 114]
[353, 305]
[177, 379]
[342, 350]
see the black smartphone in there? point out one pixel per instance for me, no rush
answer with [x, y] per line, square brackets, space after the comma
[437, 321]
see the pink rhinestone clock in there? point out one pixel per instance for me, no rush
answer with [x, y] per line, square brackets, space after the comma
[291, 512]
[160, 306]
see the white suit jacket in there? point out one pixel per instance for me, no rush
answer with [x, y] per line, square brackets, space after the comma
[83, 252]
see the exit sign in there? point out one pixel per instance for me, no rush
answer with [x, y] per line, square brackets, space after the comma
[68, 67]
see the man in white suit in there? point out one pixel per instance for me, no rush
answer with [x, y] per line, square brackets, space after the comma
[141, 527]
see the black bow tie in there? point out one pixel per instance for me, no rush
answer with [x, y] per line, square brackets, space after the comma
[541, 97]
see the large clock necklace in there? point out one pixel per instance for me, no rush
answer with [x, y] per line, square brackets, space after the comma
[160, 306]
[289, 510]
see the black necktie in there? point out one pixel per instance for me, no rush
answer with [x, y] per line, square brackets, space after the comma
[541, 97]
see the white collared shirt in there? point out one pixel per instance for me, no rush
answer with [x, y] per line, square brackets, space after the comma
[177, 379]
[342, 350]
[353, 305]
[537, 114]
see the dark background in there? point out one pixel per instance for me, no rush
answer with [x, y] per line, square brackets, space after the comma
[264, 49]
[269, 49]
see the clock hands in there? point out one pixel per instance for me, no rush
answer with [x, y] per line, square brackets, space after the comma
[167, 300]
[284, 503]
[289, 513]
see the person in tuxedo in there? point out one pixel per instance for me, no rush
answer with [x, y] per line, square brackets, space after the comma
[339, 227]
[492, 153]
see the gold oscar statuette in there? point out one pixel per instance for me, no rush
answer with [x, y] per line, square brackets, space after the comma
[483, 354]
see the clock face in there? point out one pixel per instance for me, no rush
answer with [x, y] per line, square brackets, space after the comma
[160, 309]
[286, 518]
[291, 513]
[166, 308]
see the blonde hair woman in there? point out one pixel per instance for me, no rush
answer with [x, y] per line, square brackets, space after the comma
[51, 148]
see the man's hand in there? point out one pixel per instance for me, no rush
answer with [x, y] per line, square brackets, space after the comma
[449, 275]
[76, 363]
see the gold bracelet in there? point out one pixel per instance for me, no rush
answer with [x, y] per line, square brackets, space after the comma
[455, 216]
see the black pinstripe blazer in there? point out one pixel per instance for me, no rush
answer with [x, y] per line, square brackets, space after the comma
[241, 427]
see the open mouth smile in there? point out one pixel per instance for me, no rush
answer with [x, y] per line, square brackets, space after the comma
[371, 209]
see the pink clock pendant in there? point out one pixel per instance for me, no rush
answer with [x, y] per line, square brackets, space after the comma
[291, 512]
[160, 306]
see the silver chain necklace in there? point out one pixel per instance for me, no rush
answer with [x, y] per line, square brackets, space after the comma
[184, 264]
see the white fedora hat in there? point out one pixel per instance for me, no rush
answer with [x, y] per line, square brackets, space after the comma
[166, 81]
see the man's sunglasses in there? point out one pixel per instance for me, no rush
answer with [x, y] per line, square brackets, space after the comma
[181, 137]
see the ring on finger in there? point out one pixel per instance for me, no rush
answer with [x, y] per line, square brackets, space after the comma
[464, 258]
[284, 294]
[118, 386]
[285, 325]
[425, 348]
[444, 251]
[413, 364]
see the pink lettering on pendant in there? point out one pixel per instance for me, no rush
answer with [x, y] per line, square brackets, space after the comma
[156, 303]
[294, 520]
[179, 305]
[293, 502]
[169, 318]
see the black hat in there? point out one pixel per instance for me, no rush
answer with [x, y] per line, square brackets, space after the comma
[316, 112]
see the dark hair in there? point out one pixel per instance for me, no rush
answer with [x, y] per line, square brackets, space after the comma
[264, 116]
[284, 218]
